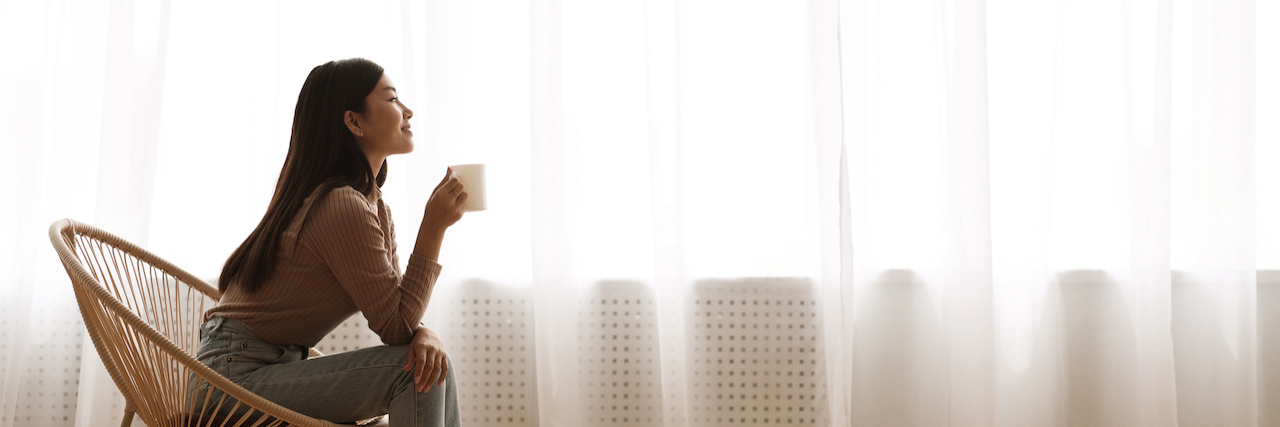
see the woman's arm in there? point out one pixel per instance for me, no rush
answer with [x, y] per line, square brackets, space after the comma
[347, 234]
[443, 209]
[344, 230]
[426, 356]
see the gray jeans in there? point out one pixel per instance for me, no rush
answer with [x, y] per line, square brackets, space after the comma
[341, 388]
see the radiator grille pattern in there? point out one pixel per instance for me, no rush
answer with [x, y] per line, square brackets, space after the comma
[50, 376]
[353, 334]
[490, 337]
[618, 355]
[756, 354]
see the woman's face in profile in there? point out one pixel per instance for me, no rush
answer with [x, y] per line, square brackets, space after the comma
[385, 122]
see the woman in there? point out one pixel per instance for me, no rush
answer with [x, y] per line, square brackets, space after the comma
[325, 250]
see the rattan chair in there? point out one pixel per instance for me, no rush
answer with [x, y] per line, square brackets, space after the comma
[143, 315]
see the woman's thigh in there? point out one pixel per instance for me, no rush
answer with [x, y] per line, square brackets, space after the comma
[341, 387]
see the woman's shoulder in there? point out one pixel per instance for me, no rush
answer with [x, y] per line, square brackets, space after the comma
[327, 212]
[342, 201]
[330, 206]
[340, 192]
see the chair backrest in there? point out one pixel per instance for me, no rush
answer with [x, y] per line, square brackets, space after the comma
[143, 315]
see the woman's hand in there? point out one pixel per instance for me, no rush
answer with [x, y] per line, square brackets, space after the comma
[443, 209]
[445, 205]
[426, 359]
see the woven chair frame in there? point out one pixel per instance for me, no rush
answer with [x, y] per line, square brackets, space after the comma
[133, 307]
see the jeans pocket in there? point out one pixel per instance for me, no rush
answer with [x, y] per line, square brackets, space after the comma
[248, 355]
[215, 346]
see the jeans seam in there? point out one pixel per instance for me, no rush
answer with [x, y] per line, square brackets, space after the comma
[313, 377]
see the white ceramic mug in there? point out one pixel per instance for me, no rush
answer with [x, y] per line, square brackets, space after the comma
[472, 178]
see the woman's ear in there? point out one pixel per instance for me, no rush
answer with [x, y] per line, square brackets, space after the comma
[352, 120]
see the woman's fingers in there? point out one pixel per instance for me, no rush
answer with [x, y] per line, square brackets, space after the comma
[443, 363]
[437, 370]
[411, 361]
[420, 383]
[427, 360]
[450, 186]
[432, 373]
[430, 370]
[448, 173]
[417, 369]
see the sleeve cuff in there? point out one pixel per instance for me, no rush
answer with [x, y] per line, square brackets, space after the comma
[420, 277]
[422, 266]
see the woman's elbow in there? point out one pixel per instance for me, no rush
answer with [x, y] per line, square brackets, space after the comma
[396, 336]
[397, 340]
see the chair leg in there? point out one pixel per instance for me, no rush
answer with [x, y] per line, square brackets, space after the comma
[128, 419]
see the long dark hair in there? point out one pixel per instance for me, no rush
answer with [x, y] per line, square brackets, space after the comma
[322, 154]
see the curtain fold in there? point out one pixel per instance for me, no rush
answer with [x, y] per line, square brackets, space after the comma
[832, 212]
[133, 88]
[830, 176]
[1213, 211]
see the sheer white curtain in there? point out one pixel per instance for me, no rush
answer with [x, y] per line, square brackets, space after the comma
[918, 264]
[853, 212]
[1026, 181]
[81, 92]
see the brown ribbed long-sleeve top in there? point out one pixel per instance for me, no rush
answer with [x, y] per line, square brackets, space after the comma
[336, 258]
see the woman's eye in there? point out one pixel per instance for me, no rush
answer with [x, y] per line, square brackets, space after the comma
[394, 99]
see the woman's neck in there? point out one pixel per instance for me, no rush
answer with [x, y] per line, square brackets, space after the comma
[375, 163]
